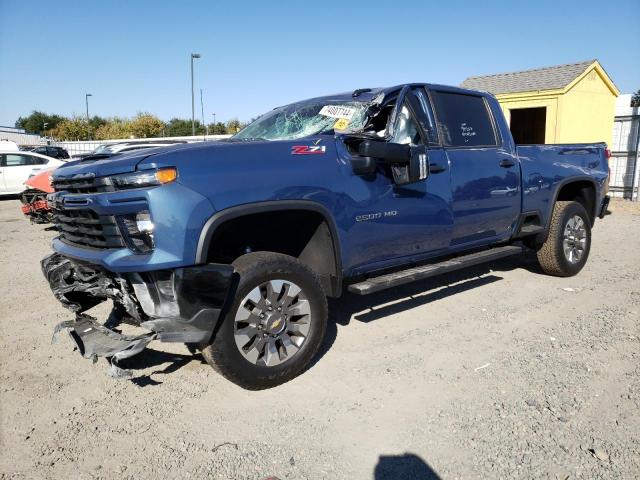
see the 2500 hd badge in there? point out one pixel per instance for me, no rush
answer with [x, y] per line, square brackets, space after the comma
[374, 216]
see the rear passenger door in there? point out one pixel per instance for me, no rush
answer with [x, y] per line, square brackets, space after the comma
[485, 176]
[17, 167]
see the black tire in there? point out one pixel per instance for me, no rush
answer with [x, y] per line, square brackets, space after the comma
[222, 353]
[551, 255]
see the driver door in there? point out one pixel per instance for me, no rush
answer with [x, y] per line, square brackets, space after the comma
[397, 222]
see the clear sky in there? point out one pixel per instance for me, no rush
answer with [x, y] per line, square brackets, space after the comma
[133, 56]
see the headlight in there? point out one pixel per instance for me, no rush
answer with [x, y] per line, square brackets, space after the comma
[145, 178]
[137, 230]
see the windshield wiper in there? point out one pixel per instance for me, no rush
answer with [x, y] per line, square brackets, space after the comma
[248, 139]
[97, 156]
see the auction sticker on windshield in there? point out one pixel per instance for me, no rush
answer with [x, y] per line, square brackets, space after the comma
[337, 111]
[341, 124]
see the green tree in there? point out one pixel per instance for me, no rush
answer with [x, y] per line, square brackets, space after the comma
[178, 127]
[145, 125]
[635, 99]
[217, 128]
[35, 123]
[71, 129]
[114, 129]
[96, 122]
[234, 126]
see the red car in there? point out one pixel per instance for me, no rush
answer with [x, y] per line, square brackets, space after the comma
[34, 198]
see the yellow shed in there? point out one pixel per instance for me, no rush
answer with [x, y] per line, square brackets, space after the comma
[572, 103]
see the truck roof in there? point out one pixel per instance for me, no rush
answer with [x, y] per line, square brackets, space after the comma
[368, 94]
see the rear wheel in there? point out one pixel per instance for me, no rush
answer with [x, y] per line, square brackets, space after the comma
[566, 249]
[275, 325]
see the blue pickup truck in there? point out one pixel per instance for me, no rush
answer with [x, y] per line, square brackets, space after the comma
[233, 247]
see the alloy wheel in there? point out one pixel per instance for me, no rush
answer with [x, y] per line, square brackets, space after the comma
[272, 322]
[574, 240]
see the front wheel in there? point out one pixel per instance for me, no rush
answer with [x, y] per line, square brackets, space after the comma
[275, 325]
[566, 249]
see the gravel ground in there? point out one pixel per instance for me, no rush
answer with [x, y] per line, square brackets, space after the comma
[490, 373]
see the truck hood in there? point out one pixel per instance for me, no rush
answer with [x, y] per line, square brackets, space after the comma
[178, 155]
[124, 163]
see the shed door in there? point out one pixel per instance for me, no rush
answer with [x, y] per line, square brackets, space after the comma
[528, 125]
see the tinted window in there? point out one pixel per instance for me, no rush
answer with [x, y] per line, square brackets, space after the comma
[12, 160]
[463, 120]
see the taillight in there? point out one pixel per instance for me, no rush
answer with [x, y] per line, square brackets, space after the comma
[607, 153]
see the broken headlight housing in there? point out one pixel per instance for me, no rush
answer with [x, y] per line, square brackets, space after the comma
[145, 178]
[137, 231]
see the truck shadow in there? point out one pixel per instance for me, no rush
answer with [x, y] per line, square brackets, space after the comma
[369, 308]
[150, 358]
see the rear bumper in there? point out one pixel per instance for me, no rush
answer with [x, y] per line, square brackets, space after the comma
[603, 206]
[179, 305]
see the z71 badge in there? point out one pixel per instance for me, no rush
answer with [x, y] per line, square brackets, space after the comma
[308, 149]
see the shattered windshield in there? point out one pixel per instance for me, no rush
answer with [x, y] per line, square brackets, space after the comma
[306, 119]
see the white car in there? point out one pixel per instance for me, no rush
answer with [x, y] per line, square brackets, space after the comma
[17, 167]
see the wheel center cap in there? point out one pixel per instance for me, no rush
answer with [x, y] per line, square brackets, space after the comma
[275, 323]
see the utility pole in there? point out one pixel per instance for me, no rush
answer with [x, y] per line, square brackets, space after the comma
[193, 104]
[86, 100]
[202, 111]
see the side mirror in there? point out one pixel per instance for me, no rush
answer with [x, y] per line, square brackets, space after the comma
[386, 152]
[408, 164]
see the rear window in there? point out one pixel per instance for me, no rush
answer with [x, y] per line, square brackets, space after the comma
[463, 120]
[17, 160]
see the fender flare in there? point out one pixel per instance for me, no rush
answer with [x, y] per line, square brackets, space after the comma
[216, 220]
[561, 185]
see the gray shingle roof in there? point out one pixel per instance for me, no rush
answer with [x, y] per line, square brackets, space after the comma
[548, 78]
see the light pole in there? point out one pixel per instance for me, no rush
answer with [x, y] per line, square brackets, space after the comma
[86, 101]
[202, 111]
[44, 128]
[193, 103]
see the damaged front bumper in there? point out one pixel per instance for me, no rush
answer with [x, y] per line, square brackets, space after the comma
[180, 305]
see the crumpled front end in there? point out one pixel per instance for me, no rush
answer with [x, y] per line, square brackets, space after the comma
[180, 305]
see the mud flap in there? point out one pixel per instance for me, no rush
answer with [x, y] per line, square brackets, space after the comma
[94, 340]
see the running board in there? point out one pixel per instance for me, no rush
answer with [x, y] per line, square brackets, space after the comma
[375, 284]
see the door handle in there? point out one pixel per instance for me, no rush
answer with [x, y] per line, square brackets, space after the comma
[507, 163]
[436, 168]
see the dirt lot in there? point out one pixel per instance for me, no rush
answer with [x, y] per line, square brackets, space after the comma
[491, 373]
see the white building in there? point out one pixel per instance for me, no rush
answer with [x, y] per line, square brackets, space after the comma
[624, 163]
[20, 136]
